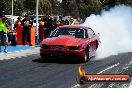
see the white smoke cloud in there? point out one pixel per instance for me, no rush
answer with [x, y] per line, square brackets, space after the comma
[115, 28]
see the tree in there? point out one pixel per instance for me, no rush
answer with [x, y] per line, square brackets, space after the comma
[30, 6]
[5, 7]
[56, 7]
[18, 7]
[82, 8]
[45, 7]
[86, 7]
[70, 7]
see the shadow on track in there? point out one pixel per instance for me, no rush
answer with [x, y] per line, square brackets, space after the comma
[58, 60]
[61, 60]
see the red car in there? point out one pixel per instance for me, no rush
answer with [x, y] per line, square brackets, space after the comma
[70, 41]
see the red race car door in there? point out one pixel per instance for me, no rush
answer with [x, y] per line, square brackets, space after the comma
[92, 41]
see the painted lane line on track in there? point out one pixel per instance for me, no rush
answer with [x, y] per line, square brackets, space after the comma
[95, 85]
[75, 86]
[108, 68]
[127, 65]
[111, 85]
[130, 63]
[124, 68]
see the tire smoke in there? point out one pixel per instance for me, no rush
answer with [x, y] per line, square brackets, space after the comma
[115, 28]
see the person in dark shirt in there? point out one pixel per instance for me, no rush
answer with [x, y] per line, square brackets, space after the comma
[66, 22]
[31, 21]
[49, 25]
[25, 31]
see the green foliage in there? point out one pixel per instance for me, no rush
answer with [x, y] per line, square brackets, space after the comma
[82, 8]
[5, 7]
[30, 6]
[70, 7]
[45, 7]
[18, 8]
[89, 6]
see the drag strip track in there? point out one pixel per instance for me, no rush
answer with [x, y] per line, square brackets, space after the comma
[32, 72]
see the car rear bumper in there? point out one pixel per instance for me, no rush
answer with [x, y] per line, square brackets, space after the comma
[62, 53]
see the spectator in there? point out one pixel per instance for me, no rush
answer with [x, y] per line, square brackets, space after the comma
[71, 21]
[18, 22]
[81, 21]
[66, 22]
[41, 30]
[45, 21]
[6, 22]
[41, 23]
[60, 18]
[25, 31]
[48, 26]
[31, 22]
[63, 19]
[3, 35]
[53, 23]
[49, 22]
[57, 23]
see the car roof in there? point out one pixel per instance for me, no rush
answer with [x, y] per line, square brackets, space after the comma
[74, 26]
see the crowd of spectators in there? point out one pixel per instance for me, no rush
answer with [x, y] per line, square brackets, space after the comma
[46, 23]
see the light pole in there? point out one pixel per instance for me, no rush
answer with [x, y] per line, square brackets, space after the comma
[12, 17]
[37, 34]
[12, 14]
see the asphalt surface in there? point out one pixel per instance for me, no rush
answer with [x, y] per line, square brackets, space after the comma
[30, 71]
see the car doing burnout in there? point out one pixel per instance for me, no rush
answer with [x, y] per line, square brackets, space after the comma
[70, 41]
